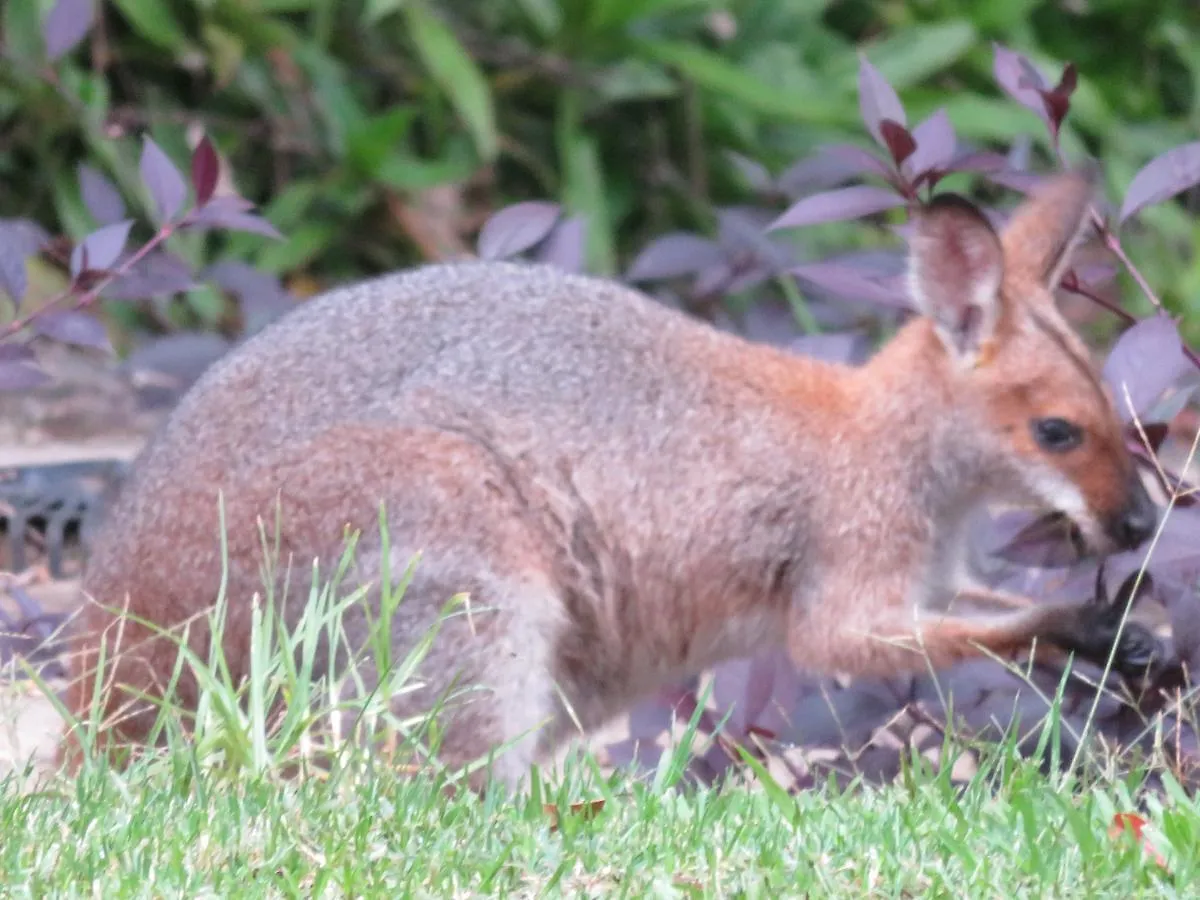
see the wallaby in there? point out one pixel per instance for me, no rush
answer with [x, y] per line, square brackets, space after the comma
[628, 495]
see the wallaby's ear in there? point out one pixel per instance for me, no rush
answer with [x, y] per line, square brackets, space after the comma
[1042, 233]
[956, 264]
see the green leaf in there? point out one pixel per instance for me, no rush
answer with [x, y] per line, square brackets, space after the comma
[288, 211]
[374, 10]
[544, 15]
[154, 21]
[21, 26]
[727, 81]
[207, 303]
[611, 14]
[74, 219]
[911, 55]
[290, 206]
[635, 79]
[410, 173]
[455, 73]
[372, 141]
[338, 107]
[583, 190]
[226, 51]
[285, 6]
[302, 245]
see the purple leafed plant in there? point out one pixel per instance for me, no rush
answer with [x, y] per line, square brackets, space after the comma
[106, 264]
[767, 703]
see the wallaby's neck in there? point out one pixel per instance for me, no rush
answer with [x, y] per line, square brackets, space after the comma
[911, 400]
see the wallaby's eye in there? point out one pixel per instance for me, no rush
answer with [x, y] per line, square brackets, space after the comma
[1056, 435]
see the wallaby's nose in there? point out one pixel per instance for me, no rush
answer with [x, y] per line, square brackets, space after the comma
[1137, 521]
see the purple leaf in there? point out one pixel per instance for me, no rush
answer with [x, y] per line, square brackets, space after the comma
[251, 224]
[156, 274]
[1166, 409]
[241, 278]
[838, 205]
[10, 351]
[1058, 101]
[877, 100]
[760, 684]
[100, 249]
[741, 227]
[899, 142]
[67, 23]
[260, 294]
[936, 144]
[20, 375]
[754, 173]
[162, 179]
[741, 232]
[648, 719]
[874, 263]
[674, 255]
[516, 228]
[205, 170]
[770, 321]
[1018, 77]
[1163, 177]
[217, 206]
[847, 347]
[1044, 541]
[566, 245]
[100, 196]
[19, 240]
[1156, 433]
[637, 756]
[72, 327]
[182, 356]
[1025, 182]
[1095, 274]
[229, 213]
[712, 281]
[1146, 360]
[853, 284]
[829, 166]
[982, 161]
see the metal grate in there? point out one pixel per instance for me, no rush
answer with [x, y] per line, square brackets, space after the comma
[47, 517]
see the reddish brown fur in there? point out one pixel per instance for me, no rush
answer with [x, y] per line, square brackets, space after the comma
[635, 495]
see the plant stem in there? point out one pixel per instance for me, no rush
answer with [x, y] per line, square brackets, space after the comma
[89, 296]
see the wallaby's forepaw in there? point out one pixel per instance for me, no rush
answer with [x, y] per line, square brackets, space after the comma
[1140, 655]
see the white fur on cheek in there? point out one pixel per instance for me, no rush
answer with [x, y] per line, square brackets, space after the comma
[1062, 495]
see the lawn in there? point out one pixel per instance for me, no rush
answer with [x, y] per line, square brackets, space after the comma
[171, 827]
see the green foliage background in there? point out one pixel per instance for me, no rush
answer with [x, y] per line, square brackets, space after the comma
[345, 119]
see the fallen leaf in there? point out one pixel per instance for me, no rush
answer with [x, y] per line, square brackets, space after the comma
[1126, 823]
[588, 809]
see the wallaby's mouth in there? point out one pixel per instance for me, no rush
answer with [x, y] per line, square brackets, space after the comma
[1073, 533]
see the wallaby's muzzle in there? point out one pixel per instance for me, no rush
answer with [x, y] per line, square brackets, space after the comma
[1136, 520]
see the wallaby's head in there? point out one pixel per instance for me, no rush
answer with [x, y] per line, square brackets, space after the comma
[1032, 401]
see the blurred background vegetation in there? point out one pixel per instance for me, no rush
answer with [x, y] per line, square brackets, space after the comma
[378, 133]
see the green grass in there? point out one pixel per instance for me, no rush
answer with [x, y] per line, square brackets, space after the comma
[220, 812]
[166, 829]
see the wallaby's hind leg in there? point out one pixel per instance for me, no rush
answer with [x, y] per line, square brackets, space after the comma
[488, 670]
[170, 568]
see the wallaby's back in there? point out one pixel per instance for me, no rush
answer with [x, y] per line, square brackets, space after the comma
[581, 365]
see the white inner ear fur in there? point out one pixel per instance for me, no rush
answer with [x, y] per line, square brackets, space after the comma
[950, 319]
